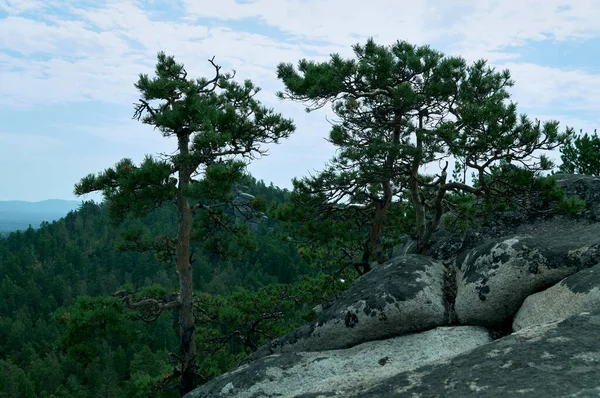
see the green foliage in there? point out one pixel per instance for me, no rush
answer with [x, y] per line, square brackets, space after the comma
[462, 212]
[581, 155]
[218, 181]
[402, 109]
[319, 236]
[154, 291]
[230, 327]
[92, 321]
[213, 120]
[530, 192]
[251, 267]
[42, 270]
[13, 381]
[131, 189]
[553, 196]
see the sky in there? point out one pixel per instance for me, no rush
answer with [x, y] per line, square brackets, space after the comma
[68, 68]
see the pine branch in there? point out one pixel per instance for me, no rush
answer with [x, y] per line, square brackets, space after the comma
[151, 308]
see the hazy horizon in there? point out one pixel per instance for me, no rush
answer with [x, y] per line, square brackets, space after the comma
[43, 200]
[19, 214]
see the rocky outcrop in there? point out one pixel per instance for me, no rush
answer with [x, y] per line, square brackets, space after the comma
[496, 277]
[446, 245]
[342, 372]
[586, 188]
[402, 296]
[552, 360]
[421, 326]
[573, 295]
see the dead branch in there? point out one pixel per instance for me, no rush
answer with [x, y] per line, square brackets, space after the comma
[152, 308]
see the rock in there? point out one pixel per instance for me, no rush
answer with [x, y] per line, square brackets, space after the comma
[342, 372]
[552, 360]
[389, 337]
[575, 294]
[496, 277]
[404, 295]
[446, 245]
[586, 188]
[408, 246]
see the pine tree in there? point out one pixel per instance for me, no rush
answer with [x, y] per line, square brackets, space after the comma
[581, 155]
[218, 124]
[402, 108]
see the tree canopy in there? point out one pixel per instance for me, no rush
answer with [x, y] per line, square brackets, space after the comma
[404, 110]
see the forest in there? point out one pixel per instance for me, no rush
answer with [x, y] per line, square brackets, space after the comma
[190, 263]
[63, 333]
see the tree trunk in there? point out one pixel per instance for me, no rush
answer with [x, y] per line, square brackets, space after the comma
[184, 270]
[421, 221]
[186, 314]
[381, 209]
[415, 197]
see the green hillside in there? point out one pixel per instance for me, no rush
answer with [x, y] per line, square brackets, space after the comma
[62, 334]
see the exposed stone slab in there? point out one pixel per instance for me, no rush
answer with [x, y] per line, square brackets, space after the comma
[496, 277]
[502, 268]
[573, 295]
[342, 372]
[552, 360]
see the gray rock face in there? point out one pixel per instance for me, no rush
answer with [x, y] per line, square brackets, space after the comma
[401, 296]
[553, 360]
[448, 245]
[389, 335]
[496, 277]
[342, 372]
[409, 246]
[573, 295]
[586, 188]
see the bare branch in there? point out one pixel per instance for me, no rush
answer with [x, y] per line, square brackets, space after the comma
[151, 308]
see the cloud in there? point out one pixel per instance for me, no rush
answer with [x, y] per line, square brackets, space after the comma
[337, 22]
[83, 54]
[10, 141]
[500, 24]
[99, 57]
[541, 87]
[95, 54]
[20, 6]
[130, 133]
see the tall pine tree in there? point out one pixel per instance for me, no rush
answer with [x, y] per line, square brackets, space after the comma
[218, 125]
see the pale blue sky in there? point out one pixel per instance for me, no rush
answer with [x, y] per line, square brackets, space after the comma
[67, 69]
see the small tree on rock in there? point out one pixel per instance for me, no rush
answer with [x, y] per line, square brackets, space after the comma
[216, 123]
[402, 108]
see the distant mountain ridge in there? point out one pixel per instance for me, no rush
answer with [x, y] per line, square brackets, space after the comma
[19, 214]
